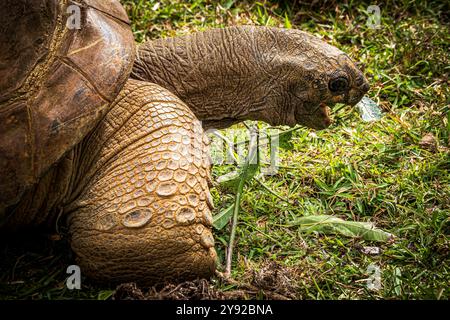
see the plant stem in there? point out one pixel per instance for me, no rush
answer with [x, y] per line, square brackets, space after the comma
[246, 175]
[233, 230]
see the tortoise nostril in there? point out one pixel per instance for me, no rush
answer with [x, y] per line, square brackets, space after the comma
[365, 87]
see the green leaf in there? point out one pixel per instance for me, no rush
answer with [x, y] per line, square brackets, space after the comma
[397, 281]
[105, 294]
[369, 109]
[287, 22]
[247, 173]
[332, 225]
[230, 180]
[221, 219]
[228, 4]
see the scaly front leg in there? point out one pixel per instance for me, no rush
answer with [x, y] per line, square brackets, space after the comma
[143, 213]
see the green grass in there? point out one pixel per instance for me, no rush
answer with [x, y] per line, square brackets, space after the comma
[357, 171]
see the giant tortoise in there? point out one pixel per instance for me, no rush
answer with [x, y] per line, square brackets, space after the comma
[107, 138]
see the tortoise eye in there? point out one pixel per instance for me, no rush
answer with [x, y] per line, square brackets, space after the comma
[339, 84]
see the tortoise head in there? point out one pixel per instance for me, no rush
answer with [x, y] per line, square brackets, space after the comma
[308, 76]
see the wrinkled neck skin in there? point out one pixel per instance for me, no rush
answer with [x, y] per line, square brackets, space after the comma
[221, 74]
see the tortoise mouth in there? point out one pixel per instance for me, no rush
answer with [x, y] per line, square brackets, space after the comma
[323, 114]
[318, 119]
[327, 111]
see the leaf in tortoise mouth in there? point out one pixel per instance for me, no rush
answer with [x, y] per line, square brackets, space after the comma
[369, 110]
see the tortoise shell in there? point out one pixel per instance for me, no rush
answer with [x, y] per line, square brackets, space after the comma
[61, 64]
